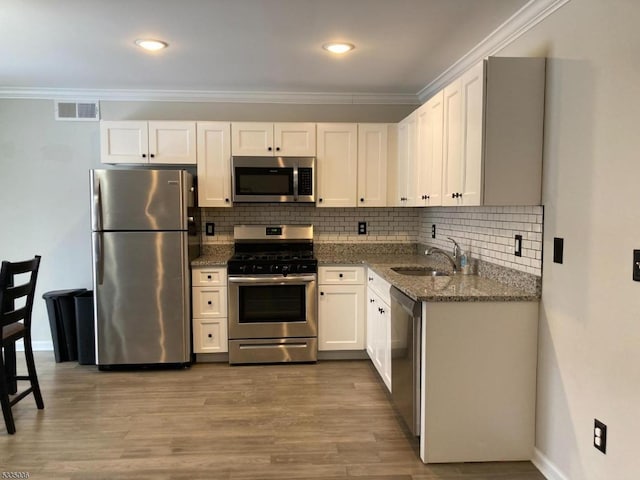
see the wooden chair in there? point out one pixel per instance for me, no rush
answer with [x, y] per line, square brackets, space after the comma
[15, 323]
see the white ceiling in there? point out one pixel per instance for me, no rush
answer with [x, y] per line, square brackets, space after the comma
[240, 45]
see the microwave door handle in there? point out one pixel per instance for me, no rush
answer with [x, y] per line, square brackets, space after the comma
[295, 183]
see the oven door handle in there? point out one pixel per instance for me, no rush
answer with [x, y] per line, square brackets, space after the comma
[274, 279]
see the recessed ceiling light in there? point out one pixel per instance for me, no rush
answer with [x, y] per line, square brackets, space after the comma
[151, 45]
[338, 48]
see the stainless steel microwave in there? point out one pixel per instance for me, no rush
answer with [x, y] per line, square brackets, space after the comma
[273, 179]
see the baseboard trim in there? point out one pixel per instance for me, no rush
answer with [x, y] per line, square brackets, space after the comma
[546, 466]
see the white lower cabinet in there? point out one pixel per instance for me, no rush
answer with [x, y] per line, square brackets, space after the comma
[209, 309]
[379, 325]
[341, 308]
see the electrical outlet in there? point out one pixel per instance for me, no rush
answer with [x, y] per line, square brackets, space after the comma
[517, 251]
[600, 435]
[636, 265]
[433, 231]
[210, 229]
[558, 250]
[362, 228]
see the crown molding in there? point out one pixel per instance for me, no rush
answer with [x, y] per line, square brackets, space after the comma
[532, 13]
[208, 96]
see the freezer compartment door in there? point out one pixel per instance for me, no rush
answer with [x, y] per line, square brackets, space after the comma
[140, 199]
[141, 298]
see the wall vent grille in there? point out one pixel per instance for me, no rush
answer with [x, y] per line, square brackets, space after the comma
[70, 110]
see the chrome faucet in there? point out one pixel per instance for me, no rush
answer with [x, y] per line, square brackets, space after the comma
[453, 259]
[432, 250]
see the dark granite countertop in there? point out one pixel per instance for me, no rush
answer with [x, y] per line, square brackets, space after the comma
[452, 288]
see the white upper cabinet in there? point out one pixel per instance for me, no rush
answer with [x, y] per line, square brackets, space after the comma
[258, 139]
[462, 166]
[493, 127]
[372, 164]
[430, 150]
[402, 178]
[214, 164]
[157, 142]
[337, 164]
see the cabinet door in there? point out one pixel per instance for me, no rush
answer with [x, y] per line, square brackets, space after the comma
[473, 120]
[214, 159]
[295, 139]
[341, 317]
[385, 344]
[406, 177]
[172, 143]
[372, 165]
[430, 137]
[124, 142]
[253, 139]
[210, 335]
[337, 164]
[452, 152]
[373, 329]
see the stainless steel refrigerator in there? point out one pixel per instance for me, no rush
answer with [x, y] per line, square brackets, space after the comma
[143, 239]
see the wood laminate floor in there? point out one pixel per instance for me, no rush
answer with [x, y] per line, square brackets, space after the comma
[330, 420]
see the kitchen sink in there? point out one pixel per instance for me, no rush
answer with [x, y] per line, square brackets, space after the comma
[420, 271]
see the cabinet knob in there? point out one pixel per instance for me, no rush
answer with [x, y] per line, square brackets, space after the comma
[144, 155]
[226, 200]
[151, 155]
[362, 199]
[371, 279]
[210, 335]
[380, 309]
[208, 277]
[209, 302]
[320, 200]
[321, 293]
[371, 300]
[269, 148]
[340, 275]
[277, 149]
[427, 197]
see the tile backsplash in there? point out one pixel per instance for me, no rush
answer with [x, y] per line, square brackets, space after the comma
[488, 231]
[331, 225]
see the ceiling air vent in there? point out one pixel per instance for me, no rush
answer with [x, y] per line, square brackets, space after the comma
[66, 110]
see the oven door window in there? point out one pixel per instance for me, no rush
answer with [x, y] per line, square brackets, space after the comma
[264, 181]
[271, 303]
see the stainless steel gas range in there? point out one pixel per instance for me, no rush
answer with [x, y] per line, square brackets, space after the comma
[272, 295]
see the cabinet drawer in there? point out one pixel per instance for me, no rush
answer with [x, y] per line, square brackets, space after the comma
[210, 335]
[203, 277]
[209, 302]
[379, 285]
[341, 275]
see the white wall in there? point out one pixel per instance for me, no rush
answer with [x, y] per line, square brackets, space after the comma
[589, 353]
[44, 197]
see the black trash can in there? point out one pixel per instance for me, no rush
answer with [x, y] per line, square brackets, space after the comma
[62, 320]
[85, 328]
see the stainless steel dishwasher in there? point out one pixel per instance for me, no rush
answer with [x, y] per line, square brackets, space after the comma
[406, 318]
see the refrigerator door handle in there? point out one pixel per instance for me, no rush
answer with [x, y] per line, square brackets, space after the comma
[97, 205]
[98, 260]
